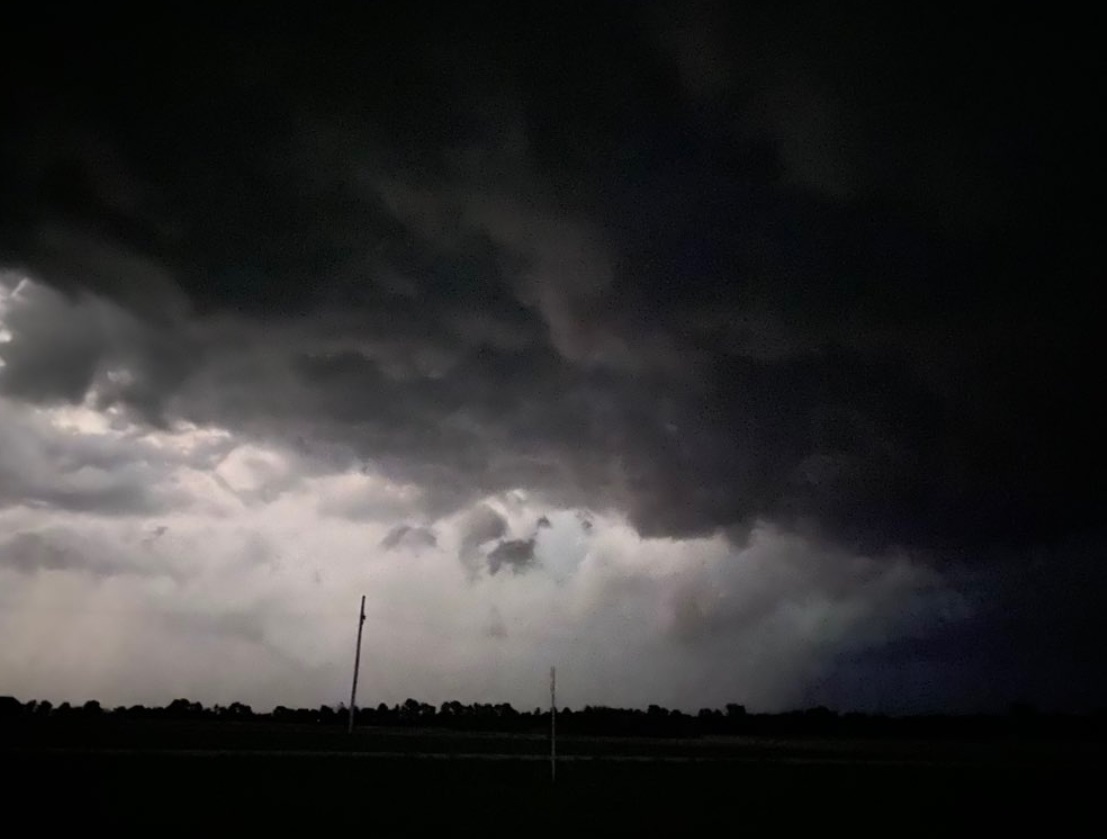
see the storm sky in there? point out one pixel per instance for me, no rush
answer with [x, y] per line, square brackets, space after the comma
[709, 352]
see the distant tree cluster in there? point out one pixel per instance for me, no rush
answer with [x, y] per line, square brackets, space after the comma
[654, 721]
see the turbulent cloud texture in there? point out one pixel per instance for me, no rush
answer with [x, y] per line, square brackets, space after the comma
[803, 307]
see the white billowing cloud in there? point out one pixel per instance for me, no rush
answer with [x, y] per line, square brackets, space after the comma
[357, 495]
[246, 588]
[73, 457]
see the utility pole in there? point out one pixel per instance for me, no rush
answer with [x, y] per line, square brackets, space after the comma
[357, 665]
[553, 724]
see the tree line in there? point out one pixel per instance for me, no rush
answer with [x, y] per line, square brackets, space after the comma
[591, 720]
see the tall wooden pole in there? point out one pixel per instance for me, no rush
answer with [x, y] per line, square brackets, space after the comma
[357, 665]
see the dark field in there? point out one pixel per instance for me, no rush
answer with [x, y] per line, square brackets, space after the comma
[155, 776]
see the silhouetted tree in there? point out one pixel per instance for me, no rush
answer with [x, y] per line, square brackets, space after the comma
[10, 707]
[655, 721]
[91, 708]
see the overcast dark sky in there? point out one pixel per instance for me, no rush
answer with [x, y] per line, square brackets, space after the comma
[712, 351]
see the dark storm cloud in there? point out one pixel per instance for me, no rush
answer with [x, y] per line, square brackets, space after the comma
[53, 352]
[1031, 632]
[479, 526]
[406, 536]
[61, 346]
[516, 554]
[704, 266]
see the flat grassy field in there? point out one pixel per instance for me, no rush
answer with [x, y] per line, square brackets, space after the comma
[155, 776]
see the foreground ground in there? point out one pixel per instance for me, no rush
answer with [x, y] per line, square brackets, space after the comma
[179, 776]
